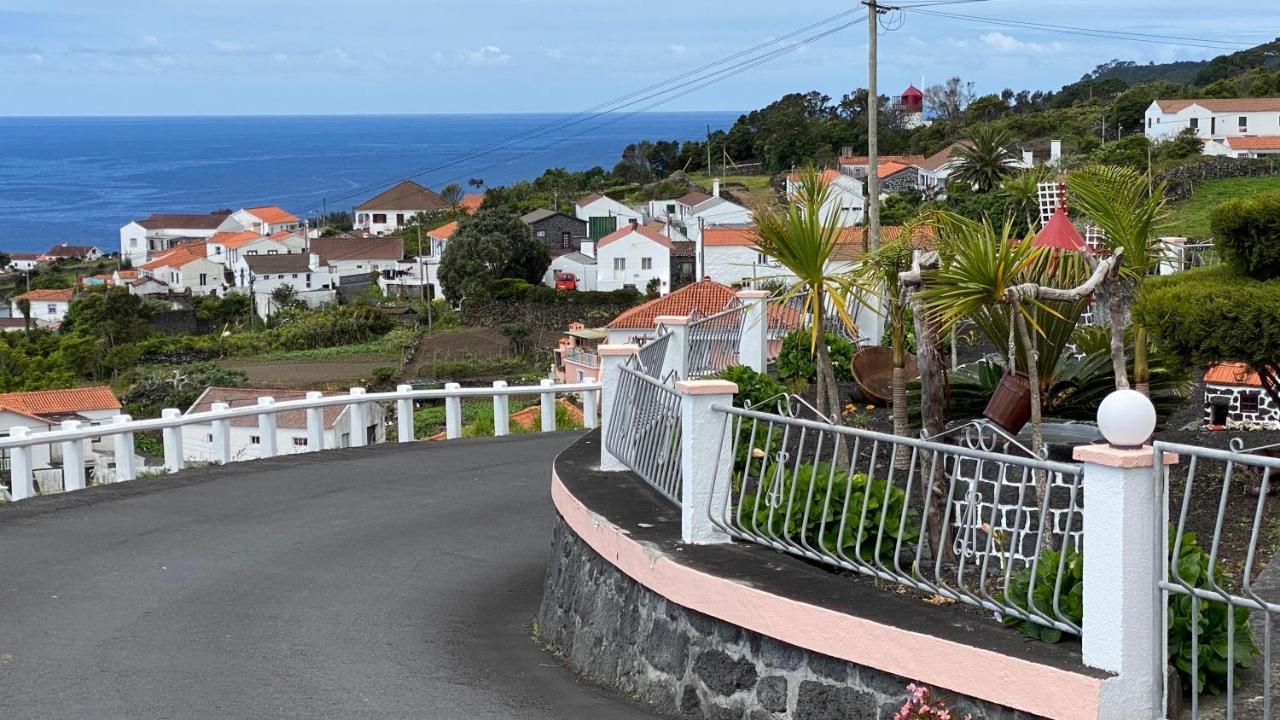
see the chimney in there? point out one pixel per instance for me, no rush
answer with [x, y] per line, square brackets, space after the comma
[1028, 159]
[314, 260]
[715, 188]
[1055, 151]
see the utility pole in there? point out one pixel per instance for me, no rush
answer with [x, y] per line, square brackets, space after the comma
[708, 151]
[873, 126]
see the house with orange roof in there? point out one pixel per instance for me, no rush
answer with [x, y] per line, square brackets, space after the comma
[263, 220]
[187, 268]
[847, 198]
[48, 306]
[1236, 399]
[226, 248]
[409, 277]
[45, 410]
[632, 257]
[1224, 124]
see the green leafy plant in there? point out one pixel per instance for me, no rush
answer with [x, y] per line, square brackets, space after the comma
[1247, 231]
[796, 361]
[1068, 564]
[753, 387]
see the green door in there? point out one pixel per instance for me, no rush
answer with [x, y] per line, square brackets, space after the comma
[601, 226]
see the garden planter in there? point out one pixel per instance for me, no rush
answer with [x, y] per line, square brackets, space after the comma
[1010, 404]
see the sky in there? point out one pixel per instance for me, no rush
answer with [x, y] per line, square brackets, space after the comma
[239, 57]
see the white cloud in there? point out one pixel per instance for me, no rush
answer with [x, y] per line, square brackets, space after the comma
[487, 55]
[678, 50]
[150, 41]
[337, 57]
[1008, 44]
[229, 47]
[553, 53]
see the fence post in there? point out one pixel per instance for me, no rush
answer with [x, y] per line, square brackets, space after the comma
[452, 413]
[705, 464]
[612, 358]
[753, 346]
[315, 423]
[548, 406]
[677, 347]
[1124, 540]
[124, 449]
[173, 460]
[589, 409]
[501, 410]
[221, 435]
[266, 429]
[72, 459]
[21, 477]
[404, 415]
[358, 423]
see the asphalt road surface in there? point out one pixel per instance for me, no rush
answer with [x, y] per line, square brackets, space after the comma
[384, 582]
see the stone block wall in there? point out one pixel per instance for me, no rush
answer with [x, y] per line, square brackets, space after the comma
[616, 633]
[1267, 416]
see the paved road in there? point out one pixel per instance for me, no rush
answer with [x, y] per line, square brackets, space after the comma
[385, 582]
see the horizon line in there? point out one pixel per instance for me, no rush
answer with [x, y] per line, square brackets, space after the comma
[335, 115]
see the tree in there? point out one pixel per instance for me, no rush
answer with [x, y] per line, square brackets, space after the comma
[803, 239]
[1132, 151]
[881, 274]
[489, 245]
[452, 194]
[284, 295]
[476, 183]
[111, 314]
[1022, 195]
[986, 161]
[949, 99]
[4, 259]
[1247, 233]
[24, 307]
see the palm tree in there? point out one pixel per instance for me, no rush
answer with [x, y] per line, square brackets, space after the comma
[24, 307]
[1121, 203]
[803, 239]
[985, 160]
[1022, 193]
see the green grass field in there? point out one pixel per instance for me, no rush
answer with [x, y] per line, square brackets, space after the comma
[1191, 218]
[751, 182]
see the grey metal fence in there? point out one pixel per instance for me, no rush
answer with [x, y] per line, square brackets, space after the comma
[644, 430]
[960, 522]
[713, 340]
[793, 310]
[652, 354]
[1200, 255]
[1220, 589]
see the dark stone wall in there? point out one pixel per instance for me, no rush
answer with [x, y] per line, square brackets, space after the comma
[552, 228]
[1183, 179]
[619, 634]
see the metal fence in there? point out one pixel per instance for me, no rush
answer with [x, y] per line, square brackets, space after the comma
[1196, 255]
[652, 354]
[960, 522]
[713, 340]
[644, 429]
[1219, 606]
[791, 311]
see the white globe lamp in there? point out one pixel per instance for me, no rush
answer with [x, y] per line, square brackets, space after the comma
[1126, 418]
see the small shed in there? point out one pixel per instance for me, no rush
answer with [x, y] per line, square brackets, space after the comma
[1234, 398]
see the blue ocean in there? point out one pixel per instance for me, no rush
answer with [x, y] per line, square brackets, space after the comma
[79, 179]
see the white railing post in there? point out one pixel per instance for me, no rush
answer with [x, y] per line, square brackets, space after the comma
[404, 415]
[548, 403]
[612, 358]
[21, 477]
[753, 346]
[1124, 533]
[452, 413]
[589, 409]
[678, 346]
[705, 464]
[315, 424]
[266, 428]
[358, 423]
[124, 450]
[221, 431]
[72, 459]
[173, 460]
[501, 411]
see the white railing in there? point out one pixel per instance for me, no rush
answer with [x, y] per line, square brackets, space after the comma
[72, 435]
[583, 358]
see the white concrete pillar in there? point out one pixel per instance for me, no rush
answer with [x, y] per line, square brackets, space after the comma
[612, 358]
[266, 428]
[705, 460]
[315, 424]
[404, 415]
[221, 450]
[589, 403]
[173, 459]
[1124, 536]
[21, 477]
[452, 413]
[677, 347]
[753, 347]
[358, 421]
[124, 450]
[548, 406]
[501, 410]
[72, 459]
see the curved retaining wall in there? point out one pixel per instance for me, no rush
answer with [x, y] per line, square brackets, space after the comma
[629, 616]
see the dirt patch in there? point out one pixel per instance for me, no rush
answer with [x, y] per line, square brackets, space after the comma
[321, 374]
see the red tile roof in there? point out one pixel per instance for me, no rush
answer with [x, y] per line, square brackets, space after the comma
[627, 229]
[179, 256]
[828, 176]
[244, 397]
[706, 296]
[272, 215]
[863, 160]
[890, 168]
[730, 236]
[58, 402]
[54, 295]
[1254, 142]
[471, 202]
[444, 232]
[1270, 104]
[1232, 374]
[233, 240]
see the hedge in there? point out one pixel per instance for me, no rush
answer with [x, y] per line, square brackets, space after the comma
[1247, 232]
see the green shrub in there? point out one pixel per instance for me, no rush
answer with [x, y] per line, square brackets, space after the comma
[752, 386]
[1051, 565]
[1247, 232]
[382, 375]
[796, 361]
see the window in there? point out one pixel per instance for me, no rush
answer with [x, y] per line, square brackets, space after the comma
[565, 242]
[399, 218]
[133, 242]
[252, 252]
[380, 217]
[1148, 122]
[671, 208]
[273, 252]
[1244, 123]
[1249, 402]
[53, 309]
[299, 442]
[294, 276]
[762, 259]
[646, 263]
[1195, 123]
[204, 278]
[255, 440]
[541, 233]
[619, 264]
[210, 436]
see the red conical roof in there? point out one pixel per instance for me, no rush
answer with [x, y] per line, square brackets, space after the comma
[1060, 233]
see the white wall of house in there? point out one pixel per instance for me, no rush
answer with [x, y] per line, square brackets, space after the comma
[585, 272]
[264, 246]
[43, 457]
[197, 439]
[632, 260]
[201, 276]
[845, 200]
[23, 264]
[245, 220]
[607, 207]
[1207, 124]
[729, 264]
[135, 240]
[43, 311]
[722, 213]
[381, 222]
[363, 266]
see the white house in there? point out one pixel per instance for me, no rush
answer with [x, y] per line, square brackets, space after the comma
[48, 307]
[730, 257]
[313, 283]
[845, 200]
[391, 210]
[187, 267]
[631, 257]
[263, 220]
[358, 256]
[604, 215]
[24, 261]
[161, 231]
[44, 410]
[1244, 146]
[226, 248]
[409, 276]
[1216, 121]
[291, 425]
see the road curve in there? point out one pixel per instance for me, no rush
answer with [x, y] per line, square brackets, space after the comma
[384, 582]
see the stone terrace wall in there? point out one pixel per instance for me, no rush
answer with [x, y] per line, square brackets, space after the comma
[1183, 179]
[619, 634]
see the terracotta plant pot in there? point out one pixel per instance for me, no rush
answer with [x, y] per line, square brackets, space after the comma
[1010, 404]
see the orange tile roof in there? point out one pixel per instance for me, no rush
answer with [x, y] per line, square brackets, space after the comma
[890, 168]
[128, 274]
[271, 214]
[627, 229]
[179, 256]
[282, 234]
[233, 240]
[1254, 142]
[444, 232]
[828, 176]
[1223, 105]
[860, 160]
[1232, 374]
[470, 202]
[243, 397]
[705, 296]
[48, 295]
[729, 237]
[852, 243]
[57, 402]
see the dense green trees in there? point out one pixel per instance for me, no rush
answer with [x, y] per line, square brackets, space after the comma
[1247, 233]
[491, 244]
